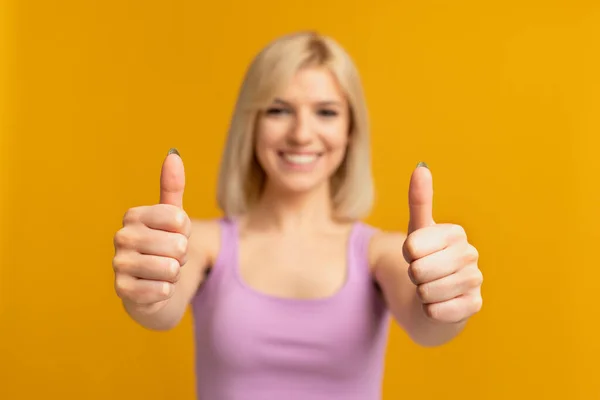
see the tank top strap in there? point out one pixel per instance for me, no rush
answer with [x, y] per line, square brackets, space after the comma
[227, 254]
[359, 246]
[221, 269]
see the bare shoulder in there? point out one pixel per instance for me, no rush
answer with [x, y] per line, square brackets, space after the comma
[385, 246]
[205, 239]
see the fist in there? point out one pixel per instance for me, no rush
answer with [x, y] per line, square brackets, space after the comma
[443, 265]
[152, 245]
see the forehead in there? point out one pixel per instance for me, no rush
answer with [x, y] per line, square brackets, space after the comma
[313, 84]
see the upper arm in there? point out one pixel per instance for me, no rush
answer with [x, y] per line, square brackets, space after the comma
[390, 271]
[203, 245]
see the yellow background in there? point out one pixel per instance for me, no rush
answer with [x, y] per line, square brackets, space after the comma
[501, 98]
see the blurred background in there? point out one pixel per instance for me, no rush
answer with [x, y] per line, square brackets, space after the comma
[500, 98]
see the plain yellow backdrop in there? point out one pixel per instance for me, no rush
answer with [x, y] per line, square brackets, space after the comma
[501, 98]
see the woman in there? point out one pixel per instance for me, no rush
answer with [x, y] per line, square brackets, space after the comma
[291, 293]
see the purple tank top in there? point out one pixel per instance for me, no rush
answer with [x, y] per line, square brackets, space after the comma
[253, 346]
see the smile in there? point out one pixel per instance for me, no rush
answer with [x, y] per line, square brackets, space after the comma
[300, 159]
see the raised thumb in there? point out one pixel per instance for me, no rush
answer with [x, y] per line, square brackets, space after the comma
[172, 179]
[420, 198]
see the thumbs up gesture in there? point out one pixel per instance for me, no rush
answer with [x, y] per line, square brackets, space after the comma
[151, 247]
[442, 263]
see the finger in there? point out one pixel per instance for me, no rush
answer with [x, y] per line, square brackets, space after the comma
[431, 239]
[165, 244]
[449, 287]
[455, 310]
[172, 179]
[166, 217]
[142, 291]
[420, 198]
[442, 263]
[145, 266]
[153, 242]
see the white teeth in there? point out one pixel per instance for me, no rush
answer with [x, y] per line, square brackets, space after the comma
[300, 158]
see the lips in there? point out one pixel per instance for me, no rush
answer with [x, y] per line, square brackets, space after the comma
[299, 159]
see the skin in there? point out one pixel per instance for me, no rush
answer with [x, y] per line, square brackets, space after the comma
[290, 244]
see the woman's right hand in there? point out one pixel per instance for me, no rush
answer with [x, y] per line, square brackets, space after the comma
[152, 245]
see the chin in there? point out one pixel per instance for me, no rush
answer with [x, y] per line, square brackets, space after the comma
[297, 186]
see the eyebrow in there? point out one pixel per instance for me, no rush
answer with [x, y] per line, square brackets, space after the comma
[321, 103]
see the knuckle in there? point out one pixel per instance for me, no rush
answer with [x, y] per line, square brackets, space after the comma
[171, 217]
[123, 239]
[416, 271]
[131, 216]
[472, 253]
[172, 270]
[176, 275]
[411, 275]
[474, 278]
[479, 276]
[476, 303]
[181, 247]
[167, 291]
[181, 221]
[183, 260]
[423, 292]
[409, 249]
[431, 311]
[123, 289]
[188, 227]
[120, 263]
[458, 231]
[468, 254]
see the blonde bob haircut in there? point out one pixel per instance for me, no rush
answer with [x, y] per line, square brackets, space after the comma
[241, 178]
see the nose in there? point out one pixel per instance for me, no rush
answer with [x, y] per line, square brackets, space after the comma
[301, 132]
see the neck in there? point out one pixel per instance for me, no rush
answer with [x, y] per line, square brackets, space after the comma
[292, 212]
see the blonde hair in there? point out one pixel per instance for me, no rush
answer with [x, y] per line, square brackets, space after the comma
[241, 178]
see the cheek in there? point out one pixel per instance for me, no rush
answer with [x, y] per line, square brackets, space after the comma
[269, 133]
[337, 147]
[260, 150]
[268, 137]
[336, 140]
[336, 132]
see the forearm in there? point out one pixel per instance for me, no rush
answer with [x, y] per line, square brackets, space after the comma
[425, 331]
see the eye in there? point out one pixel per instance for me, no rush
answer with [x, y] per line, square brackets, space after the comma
[277, 111]
[327, 113]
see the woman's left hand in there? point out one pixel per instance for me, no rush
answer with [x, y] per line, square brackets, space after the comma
[442, 263]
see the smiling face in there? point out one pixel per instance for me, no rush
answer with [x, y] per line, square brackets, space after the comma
[302, 136]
